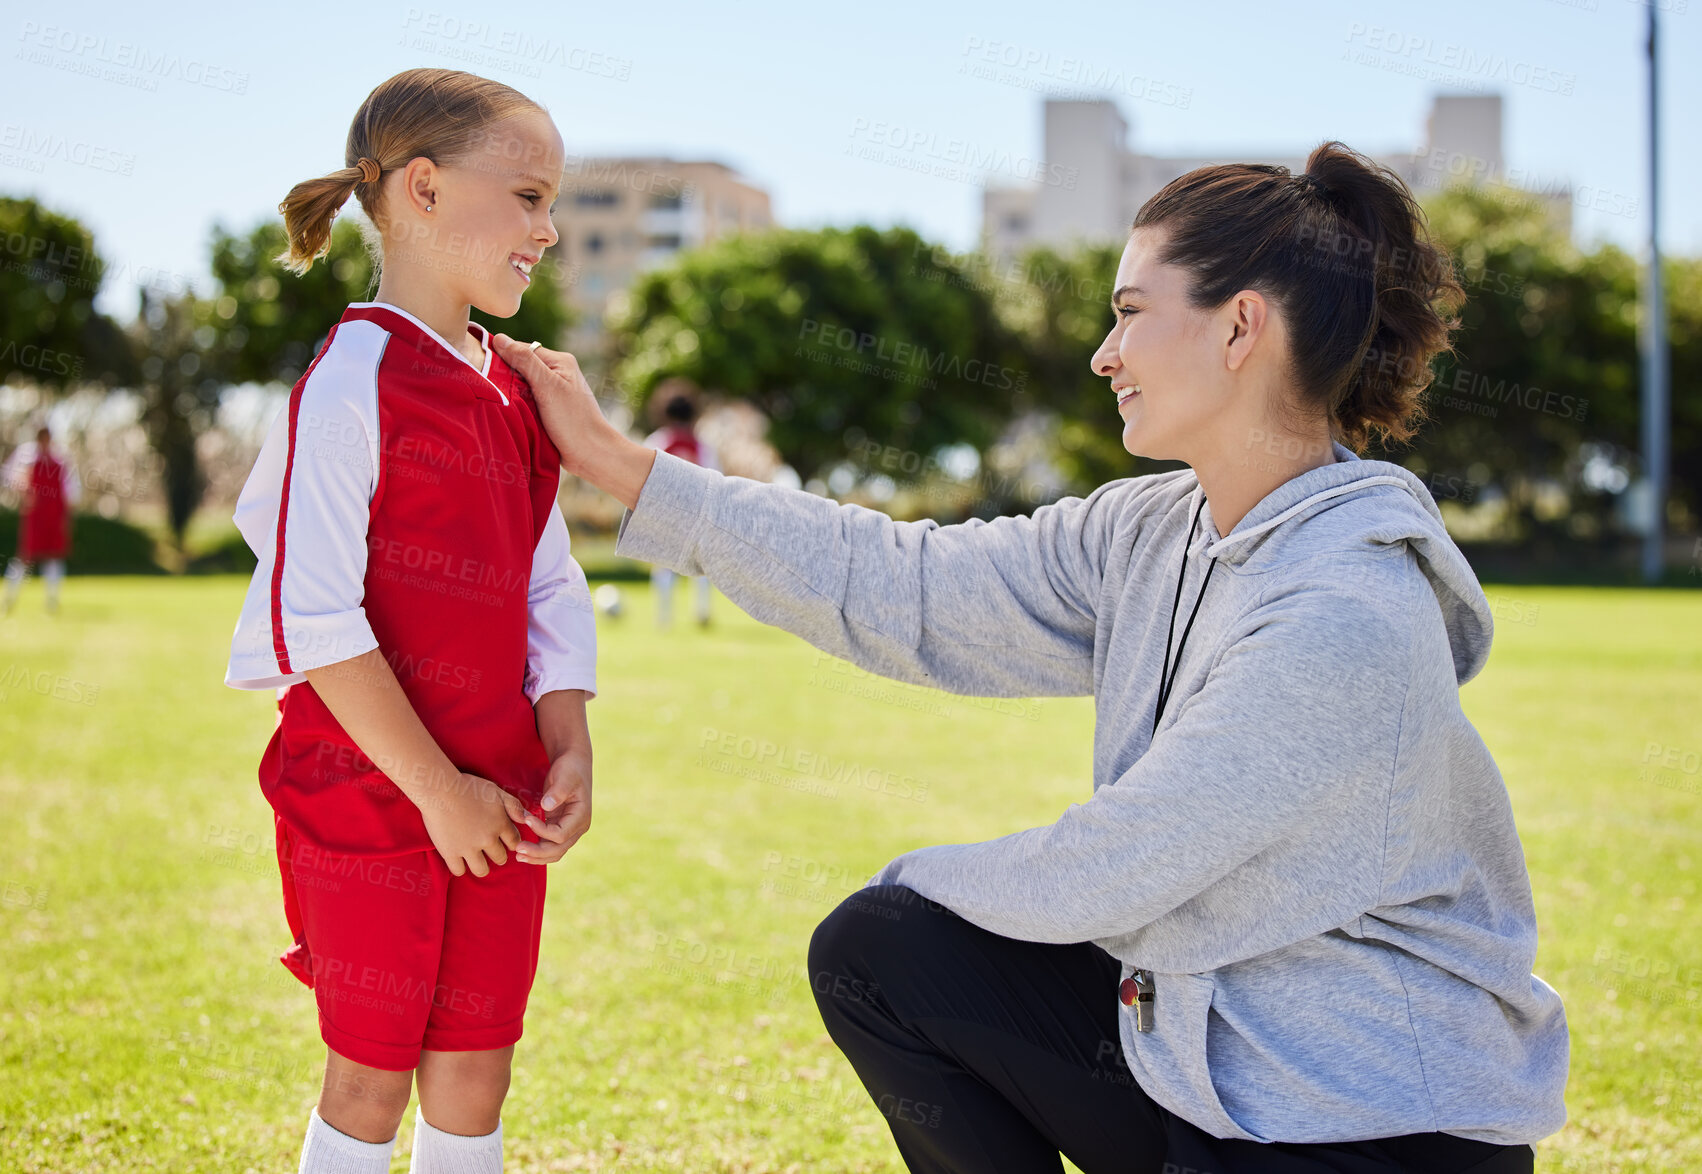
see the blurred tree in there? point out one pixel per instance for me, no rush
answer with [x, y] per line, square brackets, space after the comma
[50, 332]
[1545, 388]
[857, 344]
[1546, 361]
[180, 394]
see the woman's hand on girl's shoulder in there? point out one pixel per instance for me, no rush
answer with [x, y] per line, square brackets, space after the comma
[591, 448]
[566, 406]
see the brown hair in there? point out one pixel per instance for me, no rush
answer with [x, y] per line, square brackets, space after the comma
[674, 390]
[437, 113]
[1345, 253]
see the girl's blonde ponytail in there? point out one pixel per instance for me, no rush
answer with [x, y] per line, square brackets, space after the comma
[438, 114]
[308, 212]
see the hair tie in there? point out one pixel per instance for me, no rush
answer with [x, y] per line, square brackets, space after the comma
[369, 169]
[1309, 182]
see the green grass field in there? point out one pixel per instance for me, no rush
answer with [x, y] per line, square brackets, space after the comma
[145, 1025]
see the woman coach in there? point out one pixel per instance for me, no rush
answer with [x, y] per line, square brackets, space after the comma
[1292, 929]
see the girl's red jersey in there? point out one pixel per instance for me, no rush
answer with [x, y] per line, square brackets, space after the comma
[44, 530]
[406, 501]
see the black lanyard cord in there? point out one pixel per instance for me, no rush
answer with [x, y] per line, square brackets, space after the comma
[1167, 675]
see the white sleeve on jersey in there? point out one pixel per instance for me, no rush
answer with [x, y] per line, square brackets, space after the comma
[561, 628]
[72, 486]
[314, 605]
[15, 473]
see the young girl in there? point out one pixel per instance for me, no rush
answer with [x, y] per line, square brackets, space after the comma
[48, 483]
[678, 436]
[416, 592]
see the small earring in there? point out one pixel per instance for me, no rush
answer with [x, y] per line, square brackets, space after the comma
[428, 207]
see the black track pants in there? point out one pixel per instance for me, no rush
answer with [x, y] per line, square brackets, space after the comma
[987, 1054]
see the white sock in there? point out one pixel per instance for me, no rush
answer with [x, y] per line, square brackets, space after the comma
[437, 1152]
[662, 580]
[328, 1151]
[15, 572]
[52, 573]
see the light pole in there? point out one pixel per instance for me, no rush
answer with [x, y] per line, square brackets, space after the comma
[1654, 340]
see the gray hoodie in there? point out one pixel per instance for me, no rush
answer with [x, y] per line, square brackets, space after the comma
[1314, 855]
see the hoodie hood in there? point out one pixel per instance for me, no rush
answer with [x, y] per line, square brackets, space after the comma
[1376, 502]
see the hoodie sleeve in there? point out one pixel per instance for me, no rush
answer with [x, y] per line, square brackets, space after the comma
[1291, 741]
[999, 609]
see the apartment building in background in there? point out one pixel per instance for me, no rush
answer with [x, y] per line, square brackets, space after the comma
[1101, 181]
[621, 216]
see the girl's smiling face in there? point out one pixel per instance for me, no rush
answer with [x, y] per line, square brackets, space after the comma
[489, 220]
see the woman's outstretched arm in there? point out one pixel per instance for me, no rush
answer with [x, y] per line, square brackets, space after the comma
[1002, 608]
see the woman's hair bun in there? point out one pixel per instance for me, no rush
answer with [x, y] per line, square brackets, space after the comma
[1344, 250]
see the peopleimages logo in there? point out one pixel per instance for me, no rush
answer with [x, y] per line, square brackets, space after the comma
[444, 566]
[479, 42]
[912, 147]
[38, 146]
[46, 684]
[148, 66]
[876, 348]
[1475, 392]
[30, 357]
[809, 764]
[1422, 56]
[1029, 68]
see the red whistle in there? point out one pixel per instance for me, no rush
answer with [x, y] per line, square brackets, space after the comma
[1128, 991]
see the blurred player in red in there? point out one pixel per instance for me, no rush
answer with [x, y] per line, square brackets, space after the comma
[48, 482]
[415, 591]
[678, 435]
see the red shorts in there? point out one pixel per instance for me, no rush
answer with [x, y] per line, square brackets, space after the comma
[402, 954]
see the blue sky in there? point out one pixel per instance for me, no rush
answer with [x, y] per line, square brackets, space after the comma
[150, 126]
